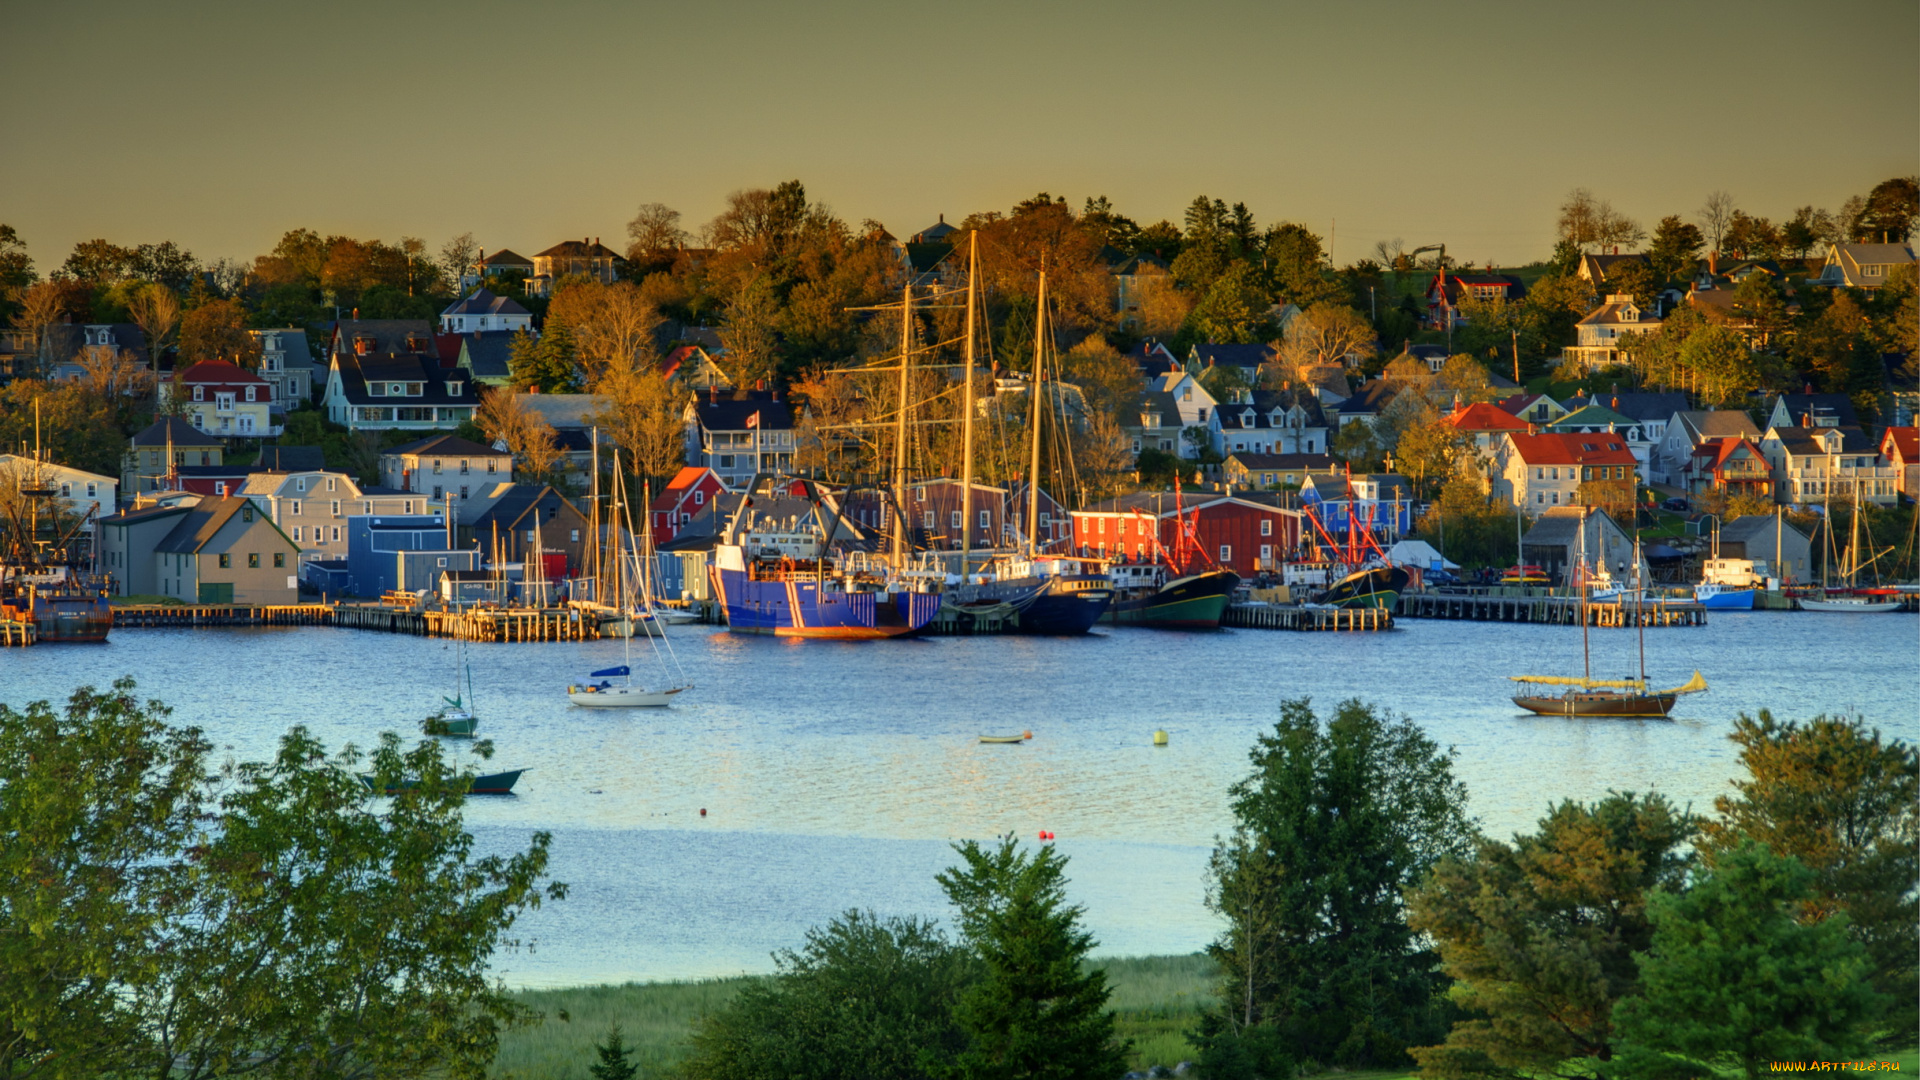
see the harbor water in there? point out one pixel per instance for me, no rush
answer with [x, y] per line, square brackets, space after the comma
[834, 775]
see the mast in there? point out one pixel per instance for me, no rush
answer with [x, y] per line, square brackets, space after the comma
[1586, 649]
[1033, 409]
[1640, 608]
[900, 432]
[966, 419]
[599, 561]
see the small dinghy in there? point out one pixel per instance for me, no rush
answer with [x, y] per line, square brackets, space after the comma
[1020, 738]
[500, 783]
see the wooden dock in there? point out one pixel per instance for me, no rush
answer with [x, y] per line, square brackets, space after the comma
[1294, 617]
[149, 615]
[1557, 610]
[16, 632]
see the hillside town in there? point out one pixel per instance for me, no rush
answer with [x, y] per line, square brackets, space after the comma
[255, 434]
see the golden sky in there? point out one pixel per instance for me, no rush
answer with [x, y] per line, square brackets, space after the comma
[220, 124]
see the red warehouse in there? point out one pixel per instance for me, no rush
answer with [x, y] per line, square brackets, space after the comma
[1242, 533]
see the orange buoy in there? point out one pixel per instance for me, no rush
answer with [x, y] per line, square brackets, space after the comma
[1026, 734]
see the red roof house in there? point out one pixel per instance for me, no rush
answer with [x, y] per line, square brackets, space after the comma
[1552, 468]
[1901, 447]
[690, 490]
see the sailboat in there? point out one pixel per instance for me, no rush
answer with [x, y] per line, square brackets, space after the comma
[1849, 570]
[456, 714]
[1588, 696]
[1031, 592]
[607, 694]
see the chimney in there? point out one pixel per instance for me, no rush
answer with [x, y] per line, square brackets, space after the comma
[1713, 263]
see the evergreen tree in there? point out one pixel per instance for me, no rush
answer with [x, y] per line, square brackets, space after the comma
[614, 1062]
[1539, 935]
[1036, 1011]
[1735, 981]
[545, 363]
[1336, 821]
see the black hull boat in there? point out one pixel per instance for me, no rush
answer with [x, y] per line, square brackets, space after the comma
[1193, 602]
[500, 783]
[1374, 587]
[1052, 605]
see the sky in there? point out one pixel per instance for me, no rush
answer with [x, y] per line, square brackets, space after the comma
[221, 124]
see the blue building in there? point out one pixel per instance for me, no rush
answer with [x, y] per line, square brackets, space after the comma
[406, 552]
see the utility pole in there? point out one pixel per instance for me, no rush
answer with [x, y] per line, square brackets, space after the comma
[1516, 353]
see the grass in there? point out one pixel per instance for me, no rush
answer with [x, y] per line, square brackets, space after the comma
[1156, 999]
[145, 598]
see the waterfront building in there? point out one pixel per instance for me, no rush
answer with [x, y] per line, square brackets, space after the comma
[690, 490]
[313, 507]
[1812, 465]
[80, 492]
[1687, 429]
[1787, 551]
[1566, 469]
[1553, 544]
[1245, 533]
[739, 435]
[522, 520]
[217, 551]
[1273, 471]
[1900, 446]
[403, 552]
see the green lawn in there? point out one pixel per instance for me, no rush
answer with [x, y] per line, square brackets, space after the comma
[118, 601]
[1157, 999]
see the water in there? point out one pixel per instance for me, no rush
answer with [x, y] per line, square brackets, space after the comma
[835, 774]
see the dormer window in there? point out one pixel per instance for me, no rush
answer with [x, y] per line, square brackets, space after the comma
[453, 387]
[199, 393]
[378, 389]
[250, 391]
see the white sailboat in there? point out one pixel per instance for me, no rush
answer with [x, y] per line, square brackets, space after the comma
[1850, 568]
[626, 694]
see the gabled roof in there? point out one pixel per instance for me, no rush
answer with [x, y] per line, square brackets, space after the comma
[1370, 398]
[1595, 267]
[1256, 462]
[1162, 402]
[1571, 448]
[489, 353]
[355, 371]
[445, 446]
[145, 513]
[484, 302]
[1242, 356]
[507, 510]
[565, 411]
[1717, 450]
[1840, 406]
[219, 373]
[934, 233]
[507, 259]
[1614, 313]
[1590, 416]
[686, 480]
[1560, 526]
[728, 414]
[1872, 254]
[201, 524]
[176, 430]
[296, 354]
[1905, 441]
[62, 342]
[1520, 403]
[1458, 285]
[1481, 416]
[1753, 527]
[1638, 406]
[1806, 440]
[1706, 423]
[1232, 414]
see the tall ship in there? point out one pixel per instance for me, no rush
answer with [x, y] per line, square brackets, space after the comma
[1031, 590]
[44, 556]
[1584, 695]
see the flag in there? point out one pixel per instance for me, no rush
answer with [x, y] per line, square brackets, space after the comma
[754, 420]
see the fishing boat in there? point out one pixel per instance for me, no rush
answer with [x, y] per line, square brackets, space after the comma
[42, 579]
[500, 783]
[1153, 594]
[1856, 605]
[1370, 587]
[626, 695]
[1587, 696]
[1725, 584]
[1362, 574]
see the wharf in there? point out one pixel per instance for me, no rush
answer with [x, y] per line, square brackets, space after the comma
[480, 624]
[1557, 610]
[14, 632]
[151, 615]
[1294, 617]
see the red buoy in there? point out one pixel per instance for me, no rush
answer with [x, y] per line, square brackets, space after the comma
[703, 811]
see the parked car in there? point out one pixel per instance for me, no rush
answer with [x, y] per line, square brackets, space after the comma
[1675, 503]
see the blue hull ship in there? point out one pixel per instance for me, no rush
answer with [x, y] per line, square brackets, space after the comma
[806, 606]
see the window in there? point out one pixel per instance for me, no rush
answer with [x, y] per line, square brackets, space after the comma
[490, 468]
[1539, 473]
[253, 560]
[406, 506]
[957, 520]
[246, 512]
[986, 520]
[1539, 497]
[219, 487]
[250, 391]
[926, 521]
[529, 536]
[336, 509]
[66, 489]
[92, 489]
[336, 532]
[1102, 526]
[1226, 553]
[330, 483]
[699, 498]
[436, 466]
[463, 491]
[378, 389]
[437, 493]
[726, 461]
[1556, 498]
[442, 560]
[296, 534]
[1266, 552]
[1266, 526]
[574, 535]
[226, 562]
[463, 466]
[199, 393]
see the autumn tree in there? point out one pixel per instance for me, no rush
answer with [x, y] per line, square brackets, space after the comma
[751, 335]
[39, 306]
[1234, 309]
[1323, 335]
[1714, 215]
[1429, 450]
[505, 418]
[16, 270]
[611, 326]
[217, 330]
[654, 238]
[459, 256]
[643, 415]
[156, 310]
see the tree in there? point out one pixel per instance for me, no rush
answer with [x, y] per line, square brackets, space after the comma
[1733, 981]
[271, 918]
[1430, 449]
[1589, 223]
[612, 326]
[1758, 303]
[99, 262]
[1234, 309]
[1890, 211]
[1323, 335]
[39, 306]
[1676, 244]
[16, 270]
[505, 417]
[750, 334]
[1035, 1010]
[1752, 237]
[1539, 935]
[1835, 795]
[217, 330]
[614, 1063]
[654, 237]
[459, 256]
[642, 415]
[1333, 824]
[545, 363]
[864, 996]
[157, 311]
[1714, 216]
[1298, 266]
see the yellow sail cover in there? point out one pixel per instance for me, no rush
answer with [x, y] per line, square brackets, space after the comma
[1560, 680]
[1695, 685]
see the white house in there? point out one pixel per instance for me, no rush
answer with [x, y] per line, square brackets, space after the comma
[1598, 344]
[312, 507]
[80, 491]
[1687, 429]
[1862, 266]
[484, 311]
